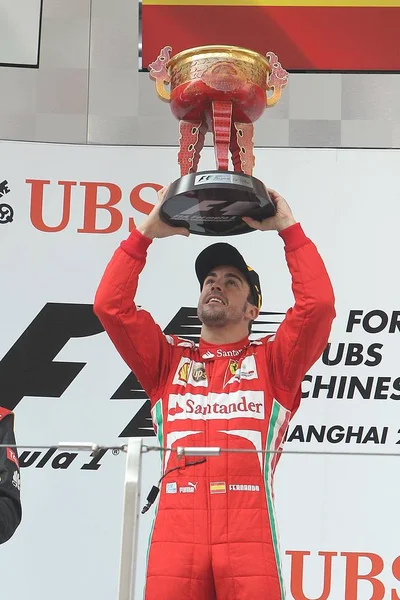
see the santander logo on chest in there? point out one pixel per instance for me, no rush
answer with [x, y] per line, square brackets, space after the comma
[219, 353]
[240, 404]
[213, 353]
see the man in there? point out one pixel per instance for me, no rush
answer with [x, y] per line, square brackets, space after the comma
[10, 502]
[215, 535]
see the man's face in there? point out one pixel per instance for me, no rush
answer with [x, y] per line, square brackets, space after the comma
[224, 298]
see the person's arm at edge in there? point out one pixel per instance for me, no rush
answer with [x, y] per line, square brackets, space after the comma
[10, 499]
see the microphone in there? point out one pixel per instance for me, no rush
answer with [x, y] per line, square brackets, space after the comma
[150, 498]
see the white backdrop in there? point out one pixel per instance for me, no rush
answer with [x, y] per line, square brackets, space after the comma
[348, 203]
[19, 31]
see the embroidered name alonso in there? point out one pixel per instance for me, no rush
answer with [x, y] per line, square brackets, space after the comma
[240, 404]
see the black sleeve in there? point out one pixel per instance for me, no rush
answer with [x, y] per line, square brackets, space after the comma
[10, 501]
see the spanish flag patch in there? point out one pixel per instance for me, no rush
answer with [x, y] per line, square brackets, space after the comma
[218, 487]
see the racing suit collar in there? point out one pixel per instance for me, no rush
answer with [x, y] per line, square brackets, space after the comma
[210, 351]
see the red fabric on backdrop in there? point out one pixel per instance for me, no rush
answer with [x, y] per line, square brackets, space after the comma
[304, 37]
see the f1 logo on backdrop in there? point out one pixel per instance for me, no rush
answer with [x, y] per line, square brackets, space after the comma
[28, 368]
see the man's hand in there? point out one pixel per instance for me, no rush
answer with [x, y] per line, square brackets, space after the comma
[281, 220]
[154, 227]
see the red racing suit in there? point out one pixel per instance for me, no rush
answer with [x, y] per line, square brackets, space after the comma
[215, 533]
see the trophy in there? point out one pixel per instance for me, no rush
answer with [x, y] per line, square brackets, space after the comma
[222, 90]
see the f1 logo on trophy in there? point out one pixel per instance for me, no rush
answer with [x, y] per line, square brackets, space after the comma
[222, 90]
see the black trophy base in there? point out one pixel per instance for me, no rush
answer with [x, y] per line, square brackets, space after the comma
[214, 202]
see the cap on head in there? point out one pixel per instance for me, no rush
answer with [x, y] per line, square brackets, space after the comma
[220, 254]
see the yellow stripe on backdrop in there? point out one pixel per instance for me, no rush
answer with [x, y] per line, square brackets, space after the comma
[290, 3]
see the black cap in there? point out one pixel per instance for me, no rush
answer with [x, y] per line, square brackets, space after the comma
[221, 254]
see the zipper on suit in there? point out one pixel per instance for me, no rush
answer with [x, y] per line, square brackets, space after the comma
[210, 368]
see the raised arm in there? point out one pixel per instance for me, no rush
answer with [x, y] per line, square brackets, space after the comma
[304, 333]
[136, 336]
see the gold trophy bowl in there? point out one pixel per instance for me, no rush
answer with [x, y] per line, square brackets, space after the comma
[222, 90]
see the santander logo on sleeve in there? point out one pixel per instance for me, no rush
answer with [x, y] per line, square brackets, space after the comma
[240, 404]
